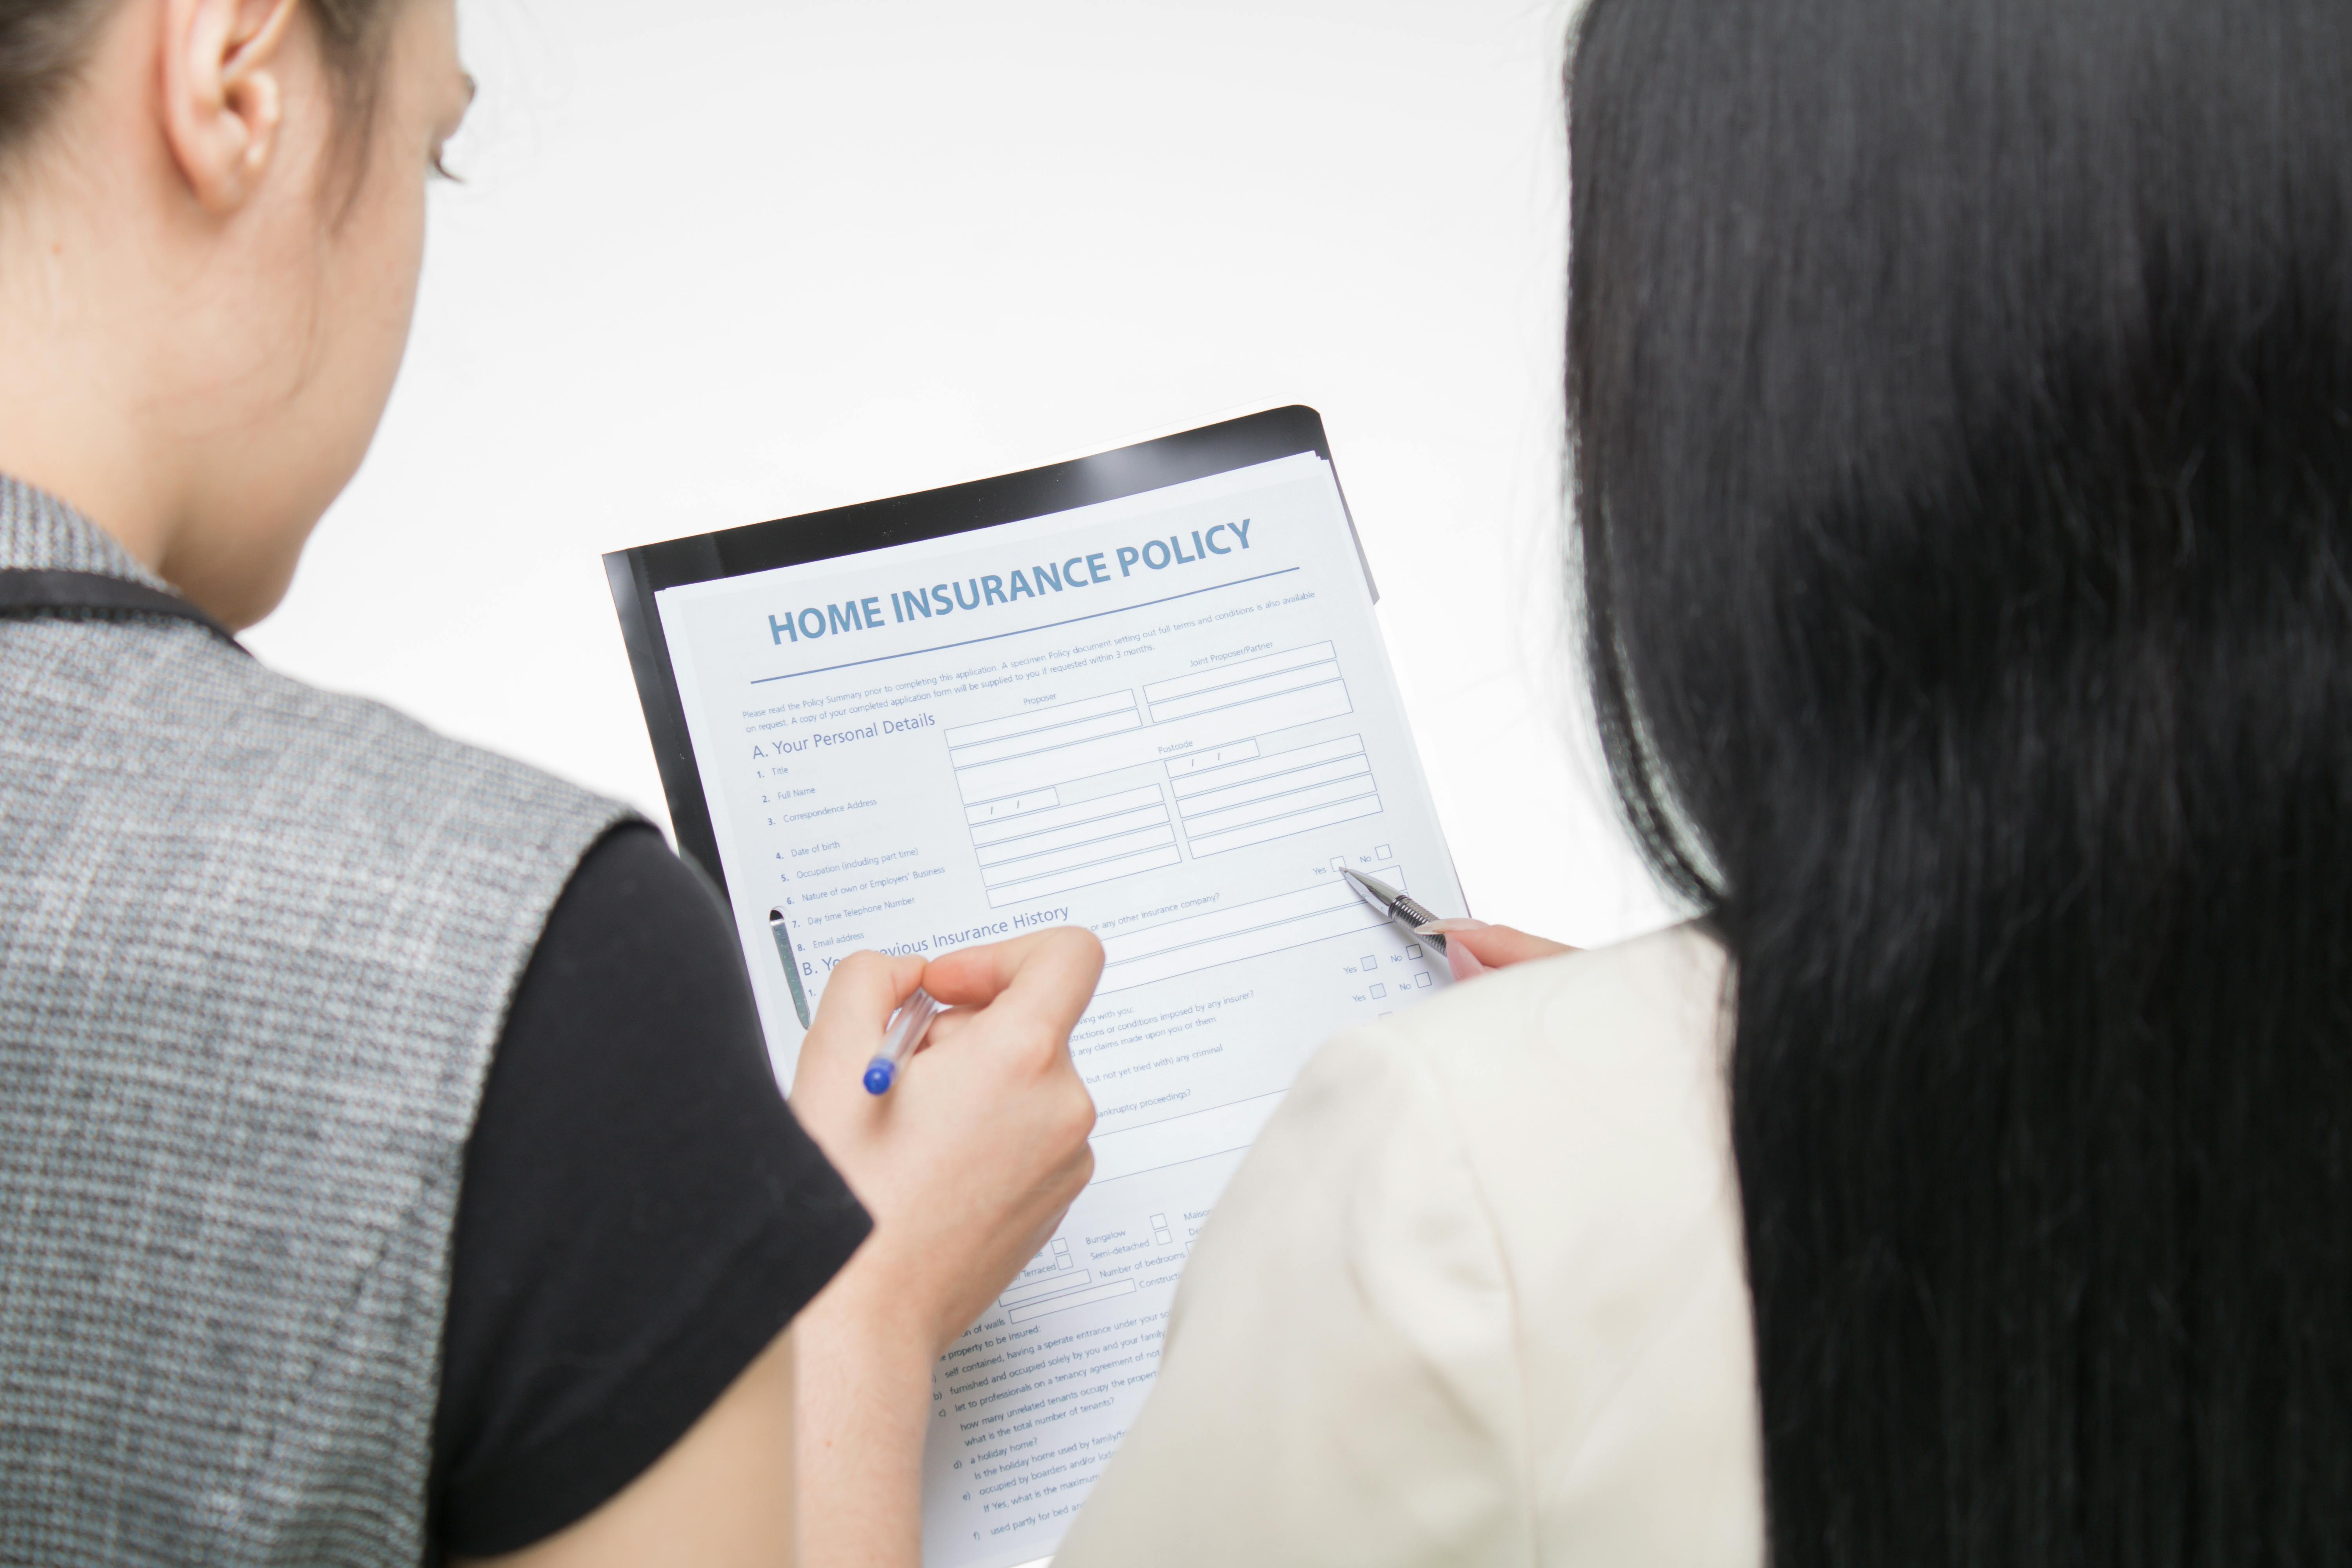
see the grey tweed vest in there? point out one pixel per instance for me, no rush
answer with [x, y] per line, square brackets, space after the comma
[256, 943]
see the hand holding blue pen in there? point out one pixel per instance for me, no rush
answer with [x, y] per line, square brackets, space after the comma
[909, 1024]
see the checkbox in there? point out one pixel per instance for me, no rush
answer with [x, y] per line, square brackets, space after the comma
[1412, 950]
[1368, 964]
[1420, 979]
[1339, 862]
[1383, 853]
[1160, 1222]
[1378, 992]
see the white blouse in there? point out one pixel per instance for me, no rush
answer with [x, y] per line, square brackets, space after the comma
[1475, 1296]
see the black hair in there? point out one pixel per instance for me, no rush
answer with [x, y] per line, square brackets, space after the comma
[1961, 409]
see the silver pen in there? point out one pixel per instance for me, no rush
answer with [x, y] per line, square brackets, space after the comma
[1394, 905]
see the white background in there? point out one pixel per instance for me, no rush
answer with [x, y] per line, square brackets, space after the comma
[717, 261]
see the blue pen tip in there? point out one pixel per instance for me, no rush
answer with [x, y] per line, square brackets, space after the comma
[878, 1075]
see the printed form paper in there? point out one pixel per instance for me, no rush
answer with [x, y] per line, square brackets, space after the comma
[1168, 718]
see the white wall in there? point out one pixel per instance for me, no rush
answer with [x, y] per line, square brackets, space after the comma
[717, 261]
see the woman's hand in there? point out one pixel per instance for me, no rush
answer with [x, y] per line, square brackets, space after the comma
[966, 1165]
[1473, 947]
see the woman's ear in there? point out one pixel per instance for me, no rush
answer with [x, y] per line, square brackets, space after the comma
[223, 93]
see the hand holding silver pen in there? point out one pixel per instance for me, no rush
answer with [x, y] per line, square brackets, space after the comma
[1471, 947]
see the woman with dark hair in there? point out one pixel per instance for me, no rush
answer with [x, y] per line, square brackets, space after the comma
[390, 1166]
[1961, 400]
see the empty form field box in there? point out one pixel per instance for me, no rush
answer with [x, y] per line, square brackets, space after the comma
[1118, 847]
[1012, 805]
[1053, 1304]
[993, 851]
[1045, 887]
[1053, 1284]
[1060, 745]
[1247, 682]
[1262, 799]
[1063, 846]
[1223, 936]
[1040, 729]
[1195, 761]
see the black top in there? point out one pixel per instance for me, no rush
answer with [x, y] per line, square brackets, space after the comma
[641, 1214]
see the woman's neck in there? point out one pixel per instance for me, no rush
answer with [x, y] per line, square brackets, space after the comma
[96, 301]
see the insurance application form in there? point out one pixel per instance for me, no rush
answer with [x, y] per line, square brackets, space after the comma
[1169, 718]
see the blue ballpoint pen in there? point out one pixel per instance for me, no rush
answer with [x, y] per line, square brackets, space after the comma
[908, 1026]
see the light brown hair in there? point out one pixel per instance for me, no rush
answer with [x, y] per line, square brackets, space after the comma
[43, 43]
